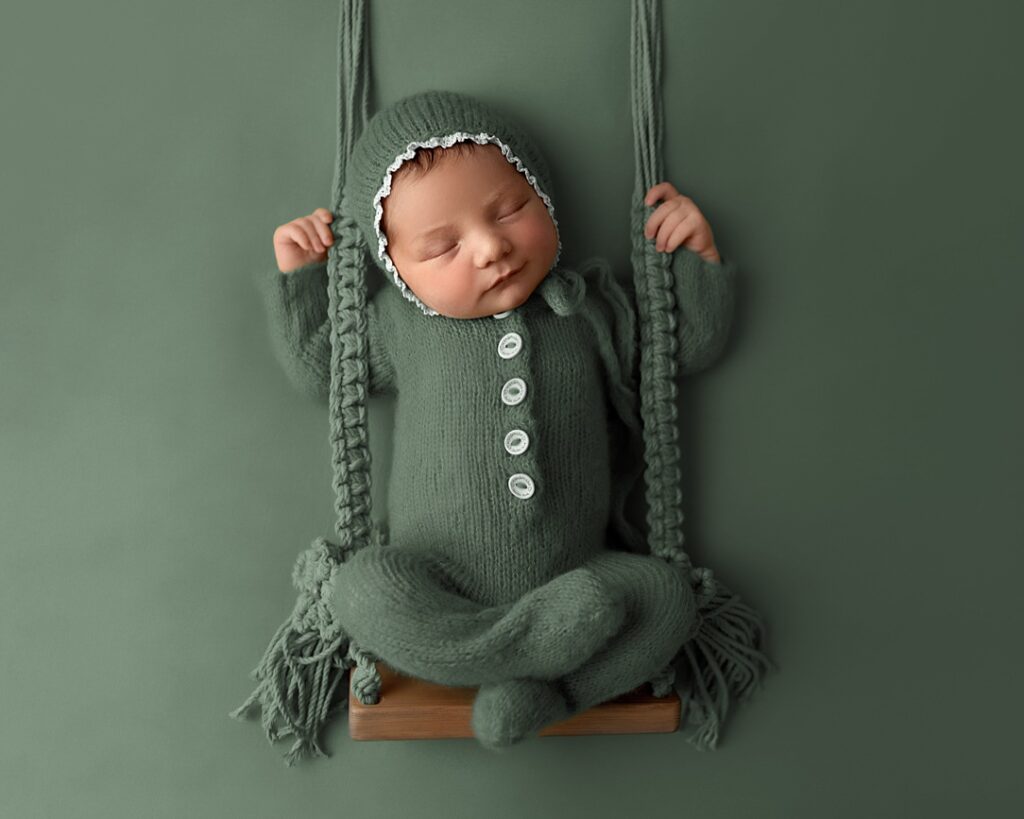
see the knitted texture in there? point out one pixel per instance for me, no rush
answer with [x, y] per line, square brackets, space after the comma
[448, 484]
[296, 305]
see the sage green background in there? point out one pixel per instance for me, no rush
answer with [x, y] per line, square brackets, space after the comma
[853, 465]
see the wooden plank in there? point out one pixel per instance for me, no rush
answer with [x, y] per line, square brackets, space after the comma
[414, 709]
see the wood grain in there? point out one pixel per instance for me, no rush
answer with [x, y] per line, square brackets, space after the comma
[414, 709]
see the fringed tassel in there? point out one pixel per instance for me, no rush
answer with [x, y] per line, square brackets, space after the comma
[725, 658]
[304, 662]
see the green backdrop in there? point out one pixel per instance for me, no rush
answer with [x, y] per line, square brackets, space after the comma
[852, 464]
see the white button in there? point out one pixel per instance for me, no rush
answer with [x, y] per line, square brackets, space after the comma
[502, 315]
[516, 441]
[521, 485]
[510, 345]
[514, 391]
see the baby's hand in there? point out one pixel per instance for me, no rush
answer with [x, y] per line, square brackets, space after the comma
[678, 222]
[303, 241]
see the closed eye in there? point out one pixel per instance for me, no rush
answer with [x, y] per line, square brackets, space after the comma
[510, 213]
[440, 254]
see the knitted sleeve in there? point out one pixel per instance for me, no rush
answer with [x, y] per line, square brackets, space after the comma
[296, 305]
[705, 296]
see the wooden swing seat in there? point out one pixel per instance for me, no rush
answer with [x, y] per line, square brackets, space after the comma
[409, 708]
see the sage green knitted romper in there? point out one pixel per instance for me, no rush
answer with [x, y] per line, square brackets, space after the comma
[509, 562]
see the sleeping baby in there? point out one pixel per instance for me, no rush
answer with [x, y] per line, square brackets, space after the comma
[508, 564]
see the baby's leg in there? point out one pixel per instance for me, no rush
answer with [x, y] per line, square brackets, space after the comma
[661, 617]
[404, 605]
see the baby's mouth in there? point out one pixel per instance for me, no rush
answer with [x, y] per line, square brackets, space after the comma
[508, 275]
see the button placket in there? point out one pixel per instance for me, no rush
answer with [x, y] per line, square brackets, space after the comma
[513, 393]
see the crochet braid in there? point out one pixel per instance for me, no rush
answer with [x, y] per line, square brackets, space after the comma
[350, 456]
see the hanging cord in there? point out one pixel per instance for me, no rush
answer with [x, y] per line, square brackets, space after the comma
[346, 271]
[306, 660]
[346, 277]
[655, 302]
[724, 656]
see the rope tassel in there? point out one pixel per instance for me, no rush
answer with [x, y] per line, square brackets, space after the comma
[304, 662]
[725, 657]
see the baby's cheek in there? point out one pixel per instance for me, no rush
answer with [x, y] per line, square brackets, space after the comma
[540, 238]
[454, 291]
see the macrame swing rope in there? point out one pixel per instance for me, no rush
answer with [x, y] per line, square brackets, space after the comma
[724, 657]
[306, 660]
[300, 672]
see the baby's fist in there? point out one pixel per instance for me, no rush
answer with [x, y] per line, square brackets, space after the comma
[678, 222]
[303, 241]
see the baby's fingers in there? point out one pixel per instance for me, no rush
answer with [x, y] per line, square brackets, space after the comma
[663, 190]
[665, 212]
[297, 233]
[311, 227]
[676, 235]
[321, 229]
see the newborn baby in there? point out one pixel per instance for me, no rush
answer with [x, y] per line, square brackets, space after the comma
[502, 568]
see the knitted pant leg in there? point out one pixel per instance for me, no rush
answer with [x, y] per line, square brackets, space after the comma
[661, 617]
[403, 605]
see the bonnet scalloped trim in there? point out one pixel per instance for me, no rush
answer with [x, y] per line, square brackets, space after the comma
[445, 141]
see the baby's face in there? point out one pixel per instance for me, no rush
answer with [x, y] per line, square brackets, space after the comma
[455, 231]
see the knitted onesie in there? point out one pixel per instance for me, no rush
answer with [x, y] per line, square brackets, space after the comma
[510, 564]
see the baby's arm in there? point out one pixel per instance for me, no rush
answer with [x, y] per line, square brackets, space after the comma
[296, 303]
[703, 284]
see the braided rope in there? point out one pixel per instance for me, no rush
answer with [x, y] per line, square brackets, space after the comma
[346, 270]
[659, 366]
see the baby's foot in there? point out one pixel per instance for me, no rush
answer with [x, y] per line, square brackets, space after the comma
[508, 712]
[572, 617]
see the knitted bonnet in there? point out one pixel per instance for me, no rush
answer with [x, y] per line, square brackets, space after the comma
[299, 675]
[427, 120]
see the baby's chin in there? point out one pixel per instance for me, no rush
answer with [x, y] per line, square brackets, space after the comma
[510, 295]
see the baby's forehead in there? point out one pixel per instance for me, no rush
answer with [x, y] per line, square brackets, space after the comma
[509, 179]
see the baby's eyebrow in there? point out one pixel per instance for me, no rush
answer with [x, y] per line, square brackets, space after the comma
[494, 197]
